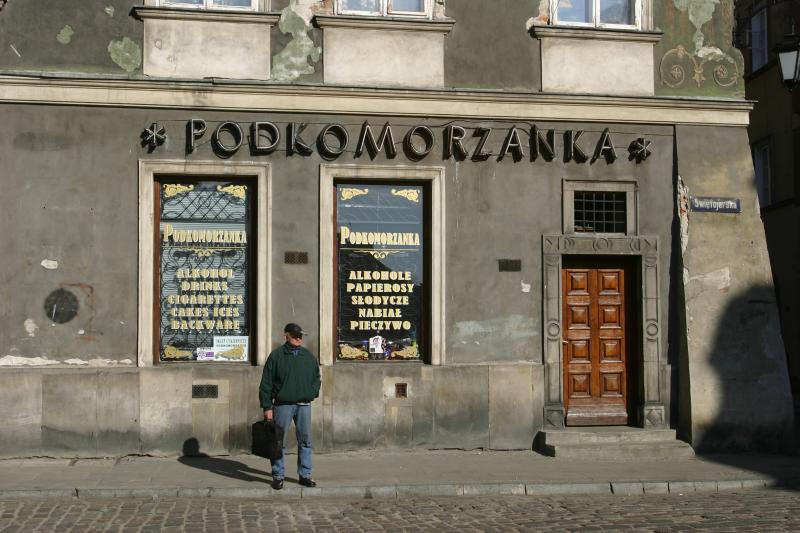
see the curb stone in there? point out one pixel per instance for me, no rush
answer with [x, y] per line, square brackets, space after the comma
[657, 487]
[400, 491]
[705, 486]
[627, 489]
[430, 490]
[550, 489]
[490, 489]
[38, 493]
[681, 487]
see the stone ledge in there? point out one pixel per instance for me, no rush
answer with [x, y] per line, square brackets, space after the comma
[384, 23]
[576, 32]
[205, 15]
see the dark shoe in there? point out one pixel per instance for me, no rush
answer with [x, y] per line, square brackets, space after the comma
[307, 482]
[277, 484]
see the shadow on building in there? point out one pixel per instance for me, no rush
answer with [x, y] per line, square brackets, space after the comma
[740, 403]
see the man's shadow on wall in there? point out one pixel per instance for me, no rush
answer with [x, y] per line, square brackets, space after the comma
[193, 457]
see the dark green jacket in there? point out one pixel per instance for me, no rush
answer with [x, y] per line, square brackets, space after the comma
[289, 378]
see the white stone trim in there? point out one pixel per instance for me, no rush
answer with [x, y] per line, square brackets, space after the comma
[479, 105]
[435, 175]
[261, 172]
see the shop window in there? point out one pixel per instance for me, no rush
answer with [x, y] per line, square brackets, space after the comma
[385, 7]
[381, 271]
[759, 50]
[597, 13]
[763, 171]
[204, 263]
[592, 207]
[213, 4]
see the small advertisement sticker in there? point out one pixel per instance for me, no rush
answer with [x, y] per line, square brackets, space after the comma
[377, 344]
[205, 354]
[232, 348]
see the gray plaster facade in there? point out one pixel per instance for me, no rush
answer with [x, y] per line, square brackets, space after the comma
[73, 205]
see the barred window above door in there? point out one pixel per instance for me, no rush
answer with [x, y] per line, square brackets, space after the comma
[606, 207]
[600, 212]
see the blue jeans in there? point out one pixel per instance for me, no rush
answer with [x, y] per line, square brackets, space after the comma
[283, 415]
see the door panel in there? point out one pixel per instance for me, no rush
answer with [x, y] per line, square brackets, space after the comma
[595, 346]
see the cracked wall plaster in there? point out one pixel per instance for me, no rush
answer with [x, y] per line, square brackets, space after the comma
[292, 62]
[65, 35]
[126, 54]
[15, 360]
[30, 327]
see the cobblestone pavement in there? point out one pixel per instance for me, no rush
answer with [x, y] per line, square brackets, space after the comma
[758, 510]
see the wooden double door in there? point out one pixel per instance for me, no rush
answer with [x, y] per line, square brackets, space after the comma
[596, 342]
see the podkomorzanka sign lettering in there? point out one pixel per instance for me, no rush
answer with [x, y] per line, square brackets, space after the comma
[331, 141]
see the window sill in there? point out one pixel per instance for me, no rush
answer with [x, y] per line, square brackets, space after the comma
[605, 34]
[205, 15]
[384, 23]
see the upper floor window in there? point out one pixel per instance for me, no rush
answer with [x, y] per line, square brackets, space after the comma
[385, 7]
[213, 4]
[759, 48]
[598, 13]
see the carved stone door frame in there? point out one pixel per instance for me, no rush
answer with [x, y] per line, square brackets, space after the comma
[650, 413]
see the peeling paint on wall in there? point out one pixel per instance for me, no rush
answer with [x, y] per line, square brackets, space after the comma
[49, 264]
[126, 54]
[683, 213]
[697, 54]
[717, 279]
[510, 327]
[30, 327]
[65, 35]
[543, 18]
[292, 61]
[109, 11]
[15, 360]
[526, 287]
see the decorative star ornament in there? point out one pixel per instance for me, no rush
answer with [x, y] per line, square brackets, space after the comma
[640, 149]
[154, 136]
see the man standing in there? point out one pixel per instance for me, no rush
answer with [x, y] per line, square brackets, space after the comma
[289, 384]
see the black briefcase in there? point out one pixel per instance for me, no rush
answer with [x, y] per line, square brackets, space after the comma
[267, 439]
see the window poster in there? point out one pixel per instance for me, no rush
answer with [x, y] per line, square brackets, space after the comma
[380, 271]
[204, 243]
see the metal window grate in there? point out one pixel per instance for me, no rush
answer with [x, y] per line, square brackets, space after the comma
[205, 391]
[401, 390]
[509, 265]
[600, 212]
[295, 258]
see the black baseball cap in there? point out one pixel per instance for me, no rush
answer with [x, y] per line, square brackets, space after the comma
[294, 330]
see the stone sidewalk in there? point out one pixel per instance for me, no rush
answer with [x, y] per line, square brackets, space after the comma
[372, 474]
